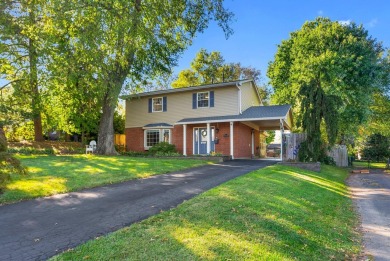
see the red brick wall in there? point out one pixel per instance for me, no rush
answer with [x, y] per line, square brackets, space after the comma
[134, 139]
[242, 139]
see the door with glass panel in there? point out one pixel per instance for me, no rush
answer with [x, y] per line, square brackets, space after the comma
[200, 141]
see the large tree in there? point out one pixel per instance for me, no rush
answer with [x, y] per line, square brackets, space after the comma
[328, 71]
[20, 51]
[210, 67]
[124, 41]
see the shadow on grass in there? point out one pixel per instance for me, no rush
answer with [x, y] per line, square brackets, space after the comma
[271, 214]
[49, 175]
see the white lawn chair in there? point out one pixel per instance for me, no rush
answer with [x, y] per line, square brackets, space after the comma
[91, 147]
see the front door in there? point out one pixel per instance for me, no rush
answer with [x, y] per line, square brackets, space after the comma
[200, 141]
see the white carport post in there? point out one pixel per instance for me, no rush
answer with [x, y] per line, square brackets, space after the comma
[231, 140]
[185, 139]
[253, 143]
[208, 139]
[281, 139]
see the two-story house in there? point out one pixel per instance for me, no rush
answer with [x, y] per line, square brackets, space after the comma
[225, 118]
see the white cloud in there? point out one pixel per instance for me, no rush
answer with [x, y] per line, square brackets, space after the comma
[320, 13]
[372, 23]
[345, 22]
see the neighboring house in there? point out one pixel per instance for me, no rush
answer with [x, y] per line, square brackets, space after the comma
[225, 118]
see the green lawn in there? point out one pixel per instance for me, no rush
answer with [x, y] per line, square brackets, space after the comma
[50, 175]
[373, 165]
[277, 213]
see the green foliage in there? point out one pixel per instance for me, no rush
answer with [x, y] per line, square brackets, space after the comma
[167, 154]
[322, 70]
[32, 151]
[210, 67]
[162, 147]
[8, 164]
[270, 138]
[377, 148]
[135, 153]
[119, 123]
[119, 44]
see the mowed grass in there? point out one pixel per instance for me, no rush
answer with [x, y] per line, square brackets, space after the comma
[50, 175]
[373, 165]
[276, 213]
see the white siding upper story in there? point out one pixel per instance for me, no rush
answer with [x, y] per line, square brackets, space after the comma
[249, 96]
[180, 105]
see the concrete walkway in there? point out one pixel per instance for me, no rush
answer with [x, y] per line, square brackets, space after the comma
[40, 228]
[371, 193]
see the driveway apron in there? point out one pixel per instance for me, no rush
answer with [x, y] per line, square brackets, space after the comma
[38, 229]
[371, 193]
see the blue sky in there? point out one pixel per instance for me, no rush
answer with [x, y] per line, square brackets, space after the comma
[260, 26]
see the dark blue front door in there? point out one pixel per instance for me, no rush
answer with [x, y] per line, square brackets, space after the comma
[200, 141]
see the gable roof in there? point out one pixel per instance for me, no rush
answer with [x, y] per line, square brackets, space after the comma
[184, 89]
[250, 114]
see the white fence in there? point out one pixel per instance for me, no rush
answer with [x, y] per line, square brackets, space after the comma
[340, 155]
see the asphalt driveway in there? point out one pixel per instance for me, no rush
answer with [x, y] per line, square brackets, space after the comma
[40, 228]
[371, 193]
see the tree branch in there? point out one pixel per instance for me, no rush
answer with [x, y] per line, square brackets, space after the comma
[2, 87]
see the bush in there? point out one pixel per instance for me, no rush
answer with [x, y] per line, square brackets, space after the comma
[162, 147]
[167, 154]
[304, 155]
[377, 148]
[31, 150]
[134, 153]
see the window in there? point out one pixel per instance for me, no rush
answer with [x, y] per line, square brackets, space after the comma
[203, 99]
[157, 104]
[154, 136]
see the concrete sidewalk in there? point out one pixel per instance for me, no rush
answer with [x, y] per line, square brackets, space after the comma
[371, 193]
[40, 228]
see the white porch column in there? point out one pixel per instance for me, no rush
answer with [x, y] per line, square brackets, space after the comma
[208, 139]
[231, 141]
[281, 139]
[185, 139]
[253, 143]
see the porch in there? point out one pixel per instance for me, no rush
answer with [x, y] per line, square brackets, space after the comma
[236, 135]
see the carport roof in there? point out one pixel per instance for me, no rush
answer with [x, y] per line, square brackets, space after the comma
[254, 113]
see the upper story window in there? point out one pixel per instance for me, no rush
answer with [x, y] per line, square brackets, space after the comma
[157, 104]
[203, 99]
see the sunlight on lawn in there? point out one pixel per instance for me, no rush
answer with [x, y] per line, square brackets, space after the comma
[38, 186]
[332, 186]
[48, 175]
[211, 243]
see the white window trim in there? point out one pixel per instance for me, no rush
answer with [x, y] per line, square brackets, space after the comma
[161, 138]
[197, 100]
[162, 104]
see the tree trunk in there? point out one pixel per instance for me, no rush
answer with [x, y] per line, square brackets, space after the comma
[33, 82]
[3, 140]
[105, 143]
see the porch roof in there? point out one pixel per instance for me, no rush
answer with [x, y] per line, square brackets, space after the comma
[267, 116]
[154, 125]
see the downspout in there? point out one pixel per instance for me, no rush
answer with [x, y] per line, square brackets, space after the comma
[238, 84]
